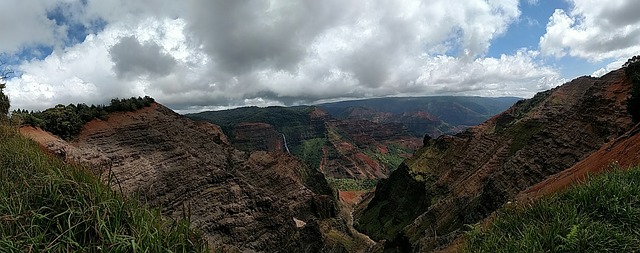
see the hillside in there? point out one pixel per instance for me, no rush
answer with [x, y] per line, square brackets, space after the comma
[241, 201]
[49, 206]
[461, 179]
[621, 152]
[600, 215]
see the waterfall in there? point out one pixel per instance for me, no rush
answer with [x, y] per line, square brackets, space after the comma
[284, 139]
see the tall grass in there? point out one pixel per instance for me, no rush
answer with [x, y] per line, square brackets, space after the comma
[601, 215]
[49, 206]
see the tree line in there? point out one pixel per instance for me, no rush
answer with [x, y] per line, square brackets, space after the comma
[632, 70]
[66, 121]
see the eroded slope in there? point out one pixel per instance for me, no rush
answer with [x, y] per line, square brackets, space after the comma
[457, 180]
[258, 201]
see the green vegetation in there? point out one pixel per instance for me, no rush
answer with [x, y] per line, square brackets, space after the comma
[4, 102]
[392, 159]
[339, 238]
[310, 152]
[385, 218]
[4, 99]
[601, 215]
[49, 206]
[632, 70]
[522, 132]
[290, 121]
[67, 121]
[350, 184]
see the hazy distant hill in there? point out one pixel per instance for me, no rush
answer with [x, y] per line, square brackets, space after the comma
[423, 115]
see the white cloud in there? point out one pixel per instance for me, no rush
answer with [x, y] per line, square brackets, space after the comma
[217, 54]
[594, 30]
[25, 24]
[84, 73]
[610, 67]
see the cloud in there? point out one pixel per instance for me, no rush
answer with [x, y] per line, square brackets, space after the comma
[594, 30]
[219, 54]
[610, 67]
[243, 36]
[32, 29]
[133, 59]
[84, 73]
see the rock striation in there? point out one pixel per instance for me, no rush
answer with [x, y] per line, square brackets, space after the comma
[257, 137]
[461, 179]
[248, 202]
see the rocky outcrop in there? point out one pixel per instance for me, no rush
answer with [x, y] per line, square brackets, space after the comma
[461, 179]
[250, 202]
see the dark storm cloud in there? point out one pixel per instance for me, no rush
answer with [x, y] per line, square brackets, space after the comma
[622, 13]
[245, 35]
[133, 59]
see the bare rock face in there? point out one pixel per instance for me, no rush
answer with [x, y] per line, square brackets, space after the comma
[457, 180]
[257, 136]
[249, 202]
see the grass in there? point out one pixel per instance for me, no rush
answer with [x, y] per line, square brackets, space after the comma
[49, 206]
[601, 215]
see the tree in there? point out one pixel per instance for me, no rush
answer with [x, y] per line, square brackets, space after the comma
[4, 100]
[632, 70]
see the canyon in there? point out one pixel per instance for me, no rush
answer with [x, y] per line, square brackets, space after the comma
[303, 179]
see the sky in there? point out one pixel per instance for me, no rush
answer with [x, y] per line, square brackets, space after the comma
[196, 55]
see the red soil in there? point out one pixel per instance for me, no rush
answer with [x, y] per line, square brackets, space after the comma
[37, 134]
[323, 162]
[115, 119]
[364, 159]
[382, 149]
[351, 198]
